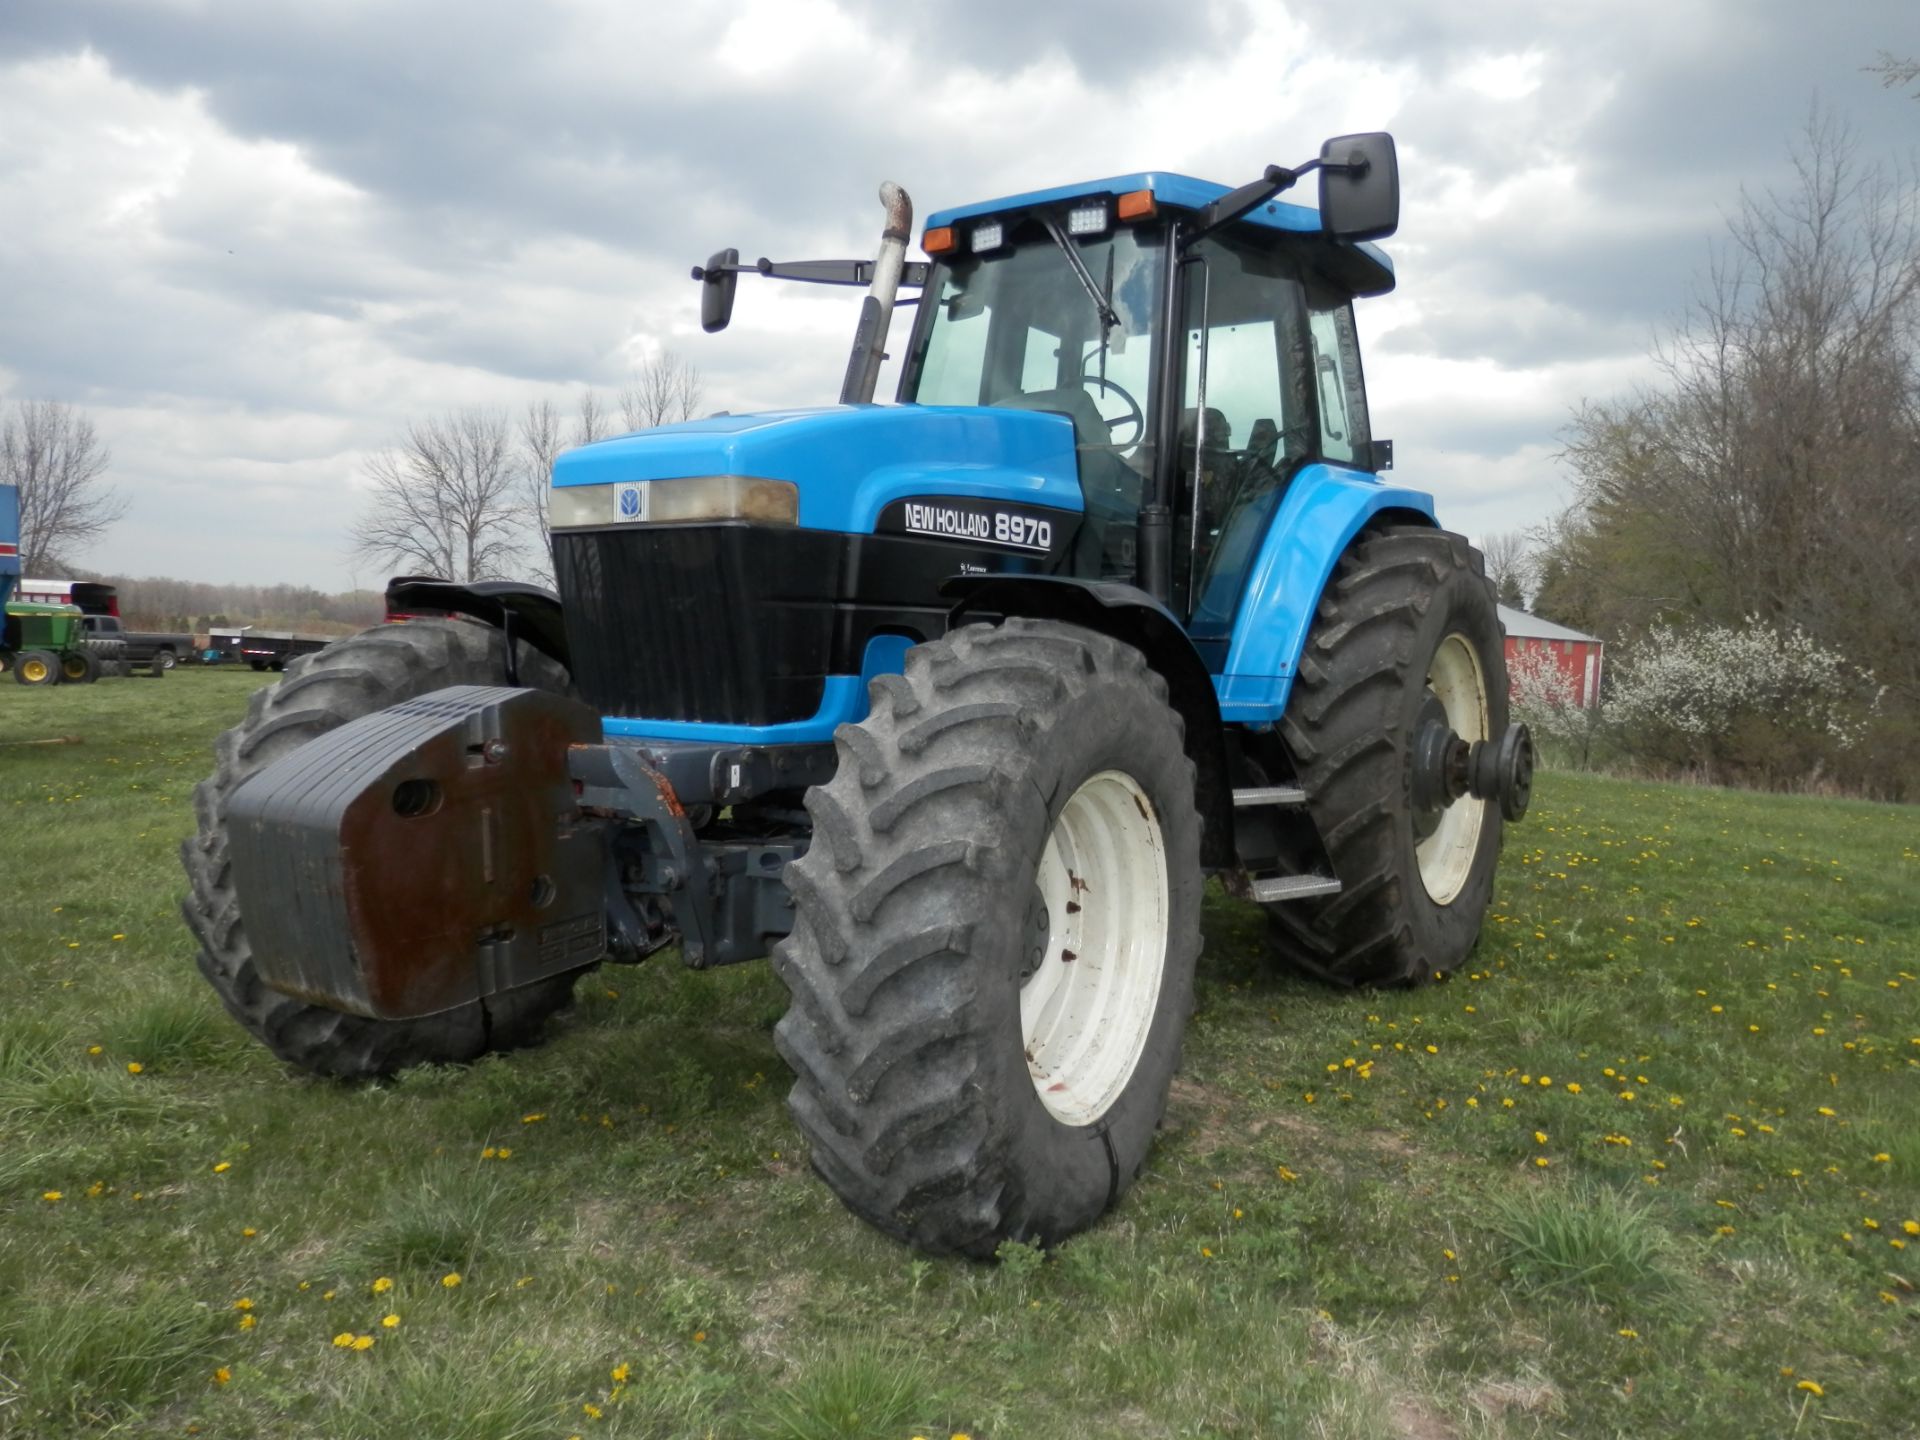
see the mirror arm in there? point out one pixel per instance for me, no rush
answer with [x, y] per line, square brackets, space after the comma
[1242, 202]
[813, 272]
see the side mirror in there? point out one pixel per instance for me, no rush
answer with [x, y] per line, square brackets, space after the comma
[718, 282]
[1359, 187]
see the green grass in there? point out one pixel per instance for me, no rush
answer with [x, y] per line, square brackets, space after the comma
[1345, 1229]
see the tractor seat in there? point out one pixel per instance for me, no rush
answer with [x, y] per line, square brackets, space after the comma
[1219, 434]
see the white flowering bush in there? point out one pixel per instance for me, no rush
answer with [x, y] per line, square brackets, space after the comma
[1752, 700]
[1543, 695]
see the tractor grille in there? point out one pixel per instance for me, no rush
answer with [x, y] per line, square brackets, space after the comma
[728, 623]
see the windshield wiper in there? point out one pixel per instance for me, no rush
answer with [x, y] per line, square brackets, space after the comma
[1109, 318]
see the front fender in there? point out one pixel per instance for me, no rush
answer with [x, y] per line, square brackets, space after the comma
[1131, 615]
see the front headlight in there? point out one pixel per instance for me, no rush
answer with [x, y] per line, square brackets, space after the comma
[674, 502]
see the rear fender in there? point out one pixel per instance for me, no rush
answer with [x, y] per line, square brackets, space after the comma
[525, 612]
[1131, 615]
[1325, 509]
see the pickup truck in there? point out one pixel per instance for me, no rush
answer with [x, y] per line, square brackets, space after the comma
[143, 646]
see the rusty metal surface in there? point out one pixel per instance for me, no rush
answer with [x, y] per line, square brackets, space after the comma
[423, 856]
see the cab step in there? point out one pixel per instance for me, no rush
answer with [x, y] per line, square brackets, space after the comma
[1269, 795]
[1271, 889]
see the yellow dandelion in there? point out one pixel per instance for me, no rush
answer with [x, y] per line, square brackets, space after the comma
[1882, 1158]
[390, 1322]
[53, 1197]
[1573, 1087]
[1540, 1136]
[343, 1341]
[222, 1375]
[248, 1232]
[94, 1049]
[363, 1342]
[1285, 1174]
[1542, 1161]
[134, 1067]
[247, 1322]
[1626, 1333]
[382, 1285]
[451, 1280]
[699, 1337]
[326, 1294]
[1812, 1387]
[243, 1303]
[223, 1167]
[621, 1373]
[590, 1410]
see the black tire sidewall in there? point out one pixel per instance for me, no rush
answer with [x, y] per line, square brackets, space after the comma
[1070, 1174]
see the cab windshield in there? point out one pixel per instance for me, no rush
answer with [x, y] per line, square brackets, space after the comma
[1017, 327]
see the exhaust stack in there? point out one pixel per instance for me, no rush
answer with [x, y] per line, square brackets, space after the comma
[876, 311]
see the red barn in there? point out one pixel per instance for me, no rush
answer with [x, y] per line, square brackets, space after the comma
[1574, 655]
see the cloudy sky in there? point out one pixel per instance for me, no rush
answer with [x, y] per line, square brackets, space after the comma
[253, 238]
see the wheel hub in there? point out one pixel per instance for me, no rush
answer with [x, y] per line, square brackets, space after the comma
[1088, 1004]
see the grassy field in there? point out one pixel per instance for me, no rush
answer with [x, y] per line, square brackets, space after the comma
[1651, 1166]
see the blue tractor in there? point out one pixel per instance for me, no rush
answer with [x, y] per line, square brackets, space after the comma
[950, 705]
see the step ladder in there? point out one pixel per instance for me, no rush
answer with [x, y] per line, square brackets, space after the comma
[1273, 889]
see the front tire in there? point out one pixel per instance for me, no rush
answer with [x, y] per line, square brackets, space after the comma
[996, 928]
[79, 667]
[1406, 624]
[36, 667]
[350, 678]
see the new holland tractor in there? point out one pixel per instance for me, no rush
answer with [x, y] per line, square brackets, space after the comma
[950, 705]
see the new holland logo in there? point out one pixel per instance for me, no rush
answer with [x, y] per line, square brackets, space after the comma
[630, 502]
[991, 527]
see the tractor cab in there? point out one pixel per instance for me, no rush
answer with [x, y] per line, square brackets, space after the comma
[1215, 357]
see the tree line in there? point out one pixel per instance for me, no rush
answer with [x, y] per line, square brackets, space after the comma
[1767, 481]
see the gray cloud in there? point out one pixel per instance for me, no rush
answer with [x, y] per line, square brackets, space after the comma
[256, 239]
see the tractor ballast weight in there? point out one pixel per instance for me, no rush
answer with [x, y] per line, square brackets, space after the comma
[950, 705]
[431, 854]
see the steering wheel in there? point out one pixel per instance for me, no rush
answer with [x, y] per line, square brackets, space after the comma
[1135, 416]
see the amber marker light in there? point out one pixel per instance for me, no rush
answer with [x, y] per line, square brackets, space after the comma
[1136, 205]
[938, 240]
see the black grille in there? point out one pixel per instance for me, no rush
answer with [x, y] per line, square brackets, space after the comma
[723, 623]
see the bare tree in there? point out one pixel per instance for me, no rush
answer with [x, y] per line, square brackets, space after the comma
[53, 453]
[590, 420]
[444, 499]
[1509, 557]
[663, 391]
[540, 445]
[1896, 73]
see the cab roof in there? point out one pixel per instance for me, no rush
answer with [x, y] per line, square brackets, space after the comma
[1183, 192]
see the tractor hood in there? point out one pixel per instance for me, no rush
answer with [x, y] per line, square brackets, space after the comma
[850, 461]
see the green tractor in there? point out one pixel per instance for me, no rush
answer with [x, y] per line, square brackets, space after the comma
[46, 644]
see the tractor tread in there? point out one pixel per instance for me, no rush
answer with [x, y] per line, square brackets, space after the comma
[886, 1035]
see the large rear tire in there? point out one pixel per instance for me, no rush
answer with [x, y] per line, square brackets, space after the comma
[1407, 623]
[996, 927]
[350, 678]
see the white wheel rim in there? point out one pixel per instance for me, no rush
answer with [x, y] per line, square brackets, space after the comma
[1103, 878]
[1446, 856]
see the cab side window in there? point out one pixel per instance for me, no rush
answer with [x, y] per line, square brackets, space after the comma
[1345, 433]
